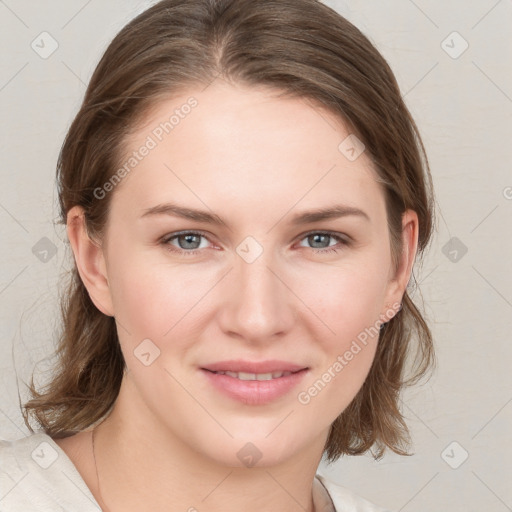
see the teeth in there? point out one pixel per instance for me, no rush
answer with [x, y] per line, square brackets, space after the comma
[255, 376]
[245, 376]
[264, 376]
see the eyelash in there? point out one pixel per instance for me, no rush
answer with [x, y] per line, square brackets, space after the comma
[165, 241]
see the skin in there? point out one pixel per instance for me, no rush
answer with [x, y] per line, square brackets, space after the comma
[171, 440]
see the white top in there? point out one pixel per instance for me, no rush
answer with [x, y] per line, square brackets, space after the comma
[36, 475]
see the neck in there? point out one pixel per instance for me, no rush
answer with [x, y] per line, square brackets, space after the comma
[142, 466]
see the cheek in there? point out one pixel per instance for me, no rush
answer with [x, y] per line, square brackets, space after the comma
[345, 298]
[347, 302]
[142, 302]
[350, 308]
[157, 300]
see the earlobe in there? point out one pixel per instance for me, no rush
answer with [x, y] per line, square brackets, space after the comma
[90, 261]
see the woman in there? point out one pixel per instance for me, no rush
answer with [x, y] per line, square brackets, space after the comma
[245, 195]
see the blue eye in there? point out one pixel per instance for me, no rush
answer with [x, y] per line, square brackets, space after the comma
[317, 236]
[189, 242]
[190, 245]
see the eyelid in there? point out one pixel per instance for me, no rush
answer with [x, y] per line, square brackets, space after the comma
[334, 234]
[170, 236]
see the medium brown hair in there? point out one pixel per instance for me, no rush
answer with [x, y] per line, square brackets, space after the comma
[302, 49]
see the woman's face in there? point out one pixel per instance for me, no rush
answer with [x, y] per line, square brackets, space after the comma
[243, 274]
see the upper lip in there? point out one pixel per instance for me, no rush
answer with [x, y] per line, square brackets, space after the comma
[240, 365]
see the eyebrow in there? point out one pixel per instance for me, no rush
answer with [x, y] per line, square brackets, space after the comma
[306, 217]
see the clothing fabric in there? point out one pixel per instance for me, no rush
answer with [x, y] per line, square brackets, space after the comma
[36, 475]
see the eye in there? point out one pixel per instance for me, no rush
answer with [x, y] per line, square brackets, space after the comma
[189, 242]
[320, 238]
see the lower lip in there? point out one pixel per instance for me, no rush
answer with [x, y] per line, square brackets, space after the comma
[254, 392]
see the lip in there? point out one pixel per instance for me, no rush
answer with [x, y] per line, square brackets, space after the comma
[240, 365]
[254, 392]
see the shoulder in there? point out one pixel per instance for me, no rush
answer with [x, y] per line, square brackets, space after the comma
[37, 476]
[345, 500]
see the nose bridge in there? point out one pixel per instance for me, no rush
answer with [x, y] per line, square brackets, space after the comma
[259, 305]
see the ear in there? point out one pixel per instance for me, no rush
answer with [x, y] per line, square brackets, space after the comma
[90, 261]
[400, 277]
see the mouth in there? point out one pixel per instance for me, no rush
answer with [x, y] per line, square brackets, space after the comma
[254, 387]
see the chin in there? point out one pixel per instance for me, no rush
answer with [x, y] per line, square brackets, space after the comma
[256, 450]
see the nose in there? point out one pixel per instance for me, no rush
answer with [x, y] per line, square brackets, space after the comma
[257, 304]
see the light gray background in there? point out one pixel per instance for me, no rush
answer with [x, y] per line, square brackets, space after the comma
[463, 107]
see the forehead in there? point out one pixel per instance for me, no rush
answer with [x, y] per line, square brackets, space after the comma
[244, 148]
